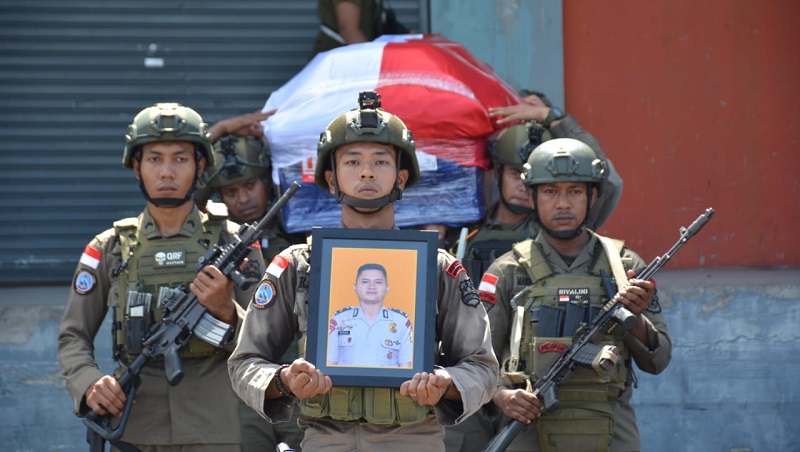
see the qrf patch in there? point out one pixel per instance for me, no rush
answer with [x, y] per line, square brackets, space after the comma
[264, 296]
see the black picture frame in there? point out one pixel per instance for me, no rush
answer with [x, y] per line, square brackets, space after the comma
[337, 253]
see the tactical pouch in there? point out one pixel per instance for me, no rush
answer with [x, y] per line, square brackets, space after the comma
[575, 315]
[550, 321]
[316, 406]
[588, 428]
[408, 412]
[345, 403]
[379, 406]
[136, 315]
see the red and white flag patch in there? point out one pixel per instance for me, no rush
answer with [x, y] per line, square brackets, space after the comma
[277, 266]
[487, 288]
[91, 257]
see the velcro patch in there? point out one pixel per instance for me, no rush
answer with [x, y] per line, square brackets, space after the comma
[488, 283]
[455, 269]
[468, 294]
[277, 266]
[548, 347]
[84, 282]
[91, 257]
[264, 295]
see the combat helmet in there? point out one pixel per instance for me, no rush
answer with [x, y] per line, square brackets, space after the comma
[237, 159]
[565, 160]
[368, 123]
[515, 144]
[166, 122]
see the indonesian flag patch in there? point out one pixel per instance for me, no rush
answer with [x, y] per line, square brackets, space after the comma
[488, 287]
[91, 257]
[277, 266]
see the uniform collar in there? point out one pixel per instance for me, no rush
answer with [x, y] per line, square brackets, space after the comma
[148, 228]
[558, 263]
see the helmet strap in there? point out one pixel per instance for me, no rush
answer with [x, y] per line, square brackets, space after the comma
[355, 204]
[563, 235]
[170, 202]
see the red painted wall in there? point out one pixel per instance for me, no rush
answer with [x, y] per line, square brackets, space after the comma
[697, 103]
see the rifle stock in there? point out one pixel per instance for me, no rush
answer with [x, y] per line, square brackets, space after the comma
[184, 317]
[546, 386]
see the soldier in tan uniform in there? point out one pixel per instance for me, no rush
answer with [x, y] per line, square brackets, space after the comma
[366, 157]
[560, 274]
[241, 176]
[510, 220]
[124, 269]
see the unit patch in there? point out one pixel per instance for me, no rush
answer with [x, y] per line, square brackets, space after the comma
[468, 294]
[84, 282]
[455, 269]
[573, 295]
[170, 258]
[264, 296]
[556, 347]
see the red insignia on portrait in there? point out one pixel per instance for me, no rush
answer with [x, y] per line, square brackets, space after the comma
[84, 282]
[264, 296]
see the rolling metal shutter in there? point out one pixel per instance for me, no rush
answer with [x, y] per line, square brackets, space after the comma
[74, 73]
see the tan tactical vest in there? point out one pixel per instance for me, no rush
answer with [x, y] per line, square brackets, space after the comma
[583, 419]
[151, 265]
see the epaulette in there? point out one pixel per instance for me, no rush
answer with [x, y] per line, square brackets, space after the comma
[400, 312]
[126, 223]
[343, 310]
[217, 210]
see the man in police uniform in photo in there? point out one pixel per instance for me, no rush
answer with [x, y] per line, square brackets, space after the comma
[365, 158]
[370, 334]
[126, 268]
[242, 178]
[560, 278]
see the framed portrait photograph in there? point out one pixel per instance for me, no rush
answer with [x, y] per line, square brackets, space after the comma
[372, 305]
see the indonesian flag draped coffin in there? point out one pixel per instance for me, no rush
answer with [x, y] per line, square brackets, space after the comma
[434, 85]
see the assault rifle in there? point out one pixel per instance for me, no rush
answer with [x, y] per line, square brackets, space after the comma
[183, 318]
[583, 351]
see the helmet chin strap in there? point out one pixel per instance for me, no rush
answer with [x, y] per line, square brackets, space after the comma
[171, 202]
[357, 204]
[563, 235]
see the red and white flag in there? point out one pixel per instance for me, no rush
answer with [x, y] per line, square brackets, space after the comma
[91, 257]
[434, 85]
[277, 266]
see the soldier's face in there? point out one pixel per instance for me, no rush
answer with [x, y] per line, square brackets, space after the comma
[562, 205]
[247, 201]
[513, 190]
[371, 287]
[167, 168]
[366, 170]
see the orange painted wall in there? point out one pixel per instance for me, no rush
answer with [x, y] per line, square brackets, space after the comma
[698, 104]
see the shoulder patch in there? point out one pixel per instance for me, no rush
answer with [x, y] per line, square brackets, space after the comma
[468, 294]
[264, 295]
[487, 289]
[399, 312]
[84, 282]
[91, 257]
[277, 266]
[343, 310]
[455, 269]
